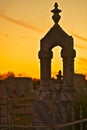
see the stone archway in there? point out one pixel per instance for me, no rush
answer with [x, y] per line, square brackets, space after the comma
[45, 96]
[56, 37]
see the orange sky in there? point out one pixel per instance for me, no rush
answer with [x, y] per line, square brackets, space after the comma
[23, 23]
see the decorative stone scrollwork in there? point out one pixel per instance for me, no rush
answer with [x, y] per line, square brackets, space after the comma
[56, 17]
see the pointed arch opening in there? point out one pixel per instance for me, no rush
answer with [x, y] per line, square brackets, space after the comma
[56, 63]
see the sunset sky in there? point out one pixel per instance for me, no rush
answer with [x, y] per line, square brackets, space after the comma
[24, 22]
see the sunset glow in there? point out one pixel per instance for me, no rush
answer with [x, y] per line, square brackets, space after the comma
[23, 23]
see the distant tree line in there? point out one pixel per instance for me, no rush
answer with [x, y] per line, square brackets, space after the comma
[7, 75]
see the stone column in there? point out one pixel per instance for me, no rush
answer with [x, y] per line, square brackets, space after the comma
[68, 67]
[45, 67]
[42, 105]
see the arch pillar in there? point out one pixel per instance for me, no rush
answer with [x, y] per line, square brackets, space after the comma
[45, 57]
[68, 67]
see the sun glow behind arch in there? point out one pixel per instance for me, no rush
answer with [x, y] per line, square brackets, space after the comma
[23, 23]
[56, 61]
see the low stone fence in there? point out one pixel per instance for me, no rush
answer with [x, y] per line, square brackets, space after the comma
[17, 114]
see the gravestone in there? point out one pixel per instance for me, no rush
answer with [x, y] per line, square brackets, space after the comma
[48, 109]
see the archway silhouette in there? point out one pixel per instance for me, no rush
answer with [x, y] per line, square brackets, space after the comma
[56, 37]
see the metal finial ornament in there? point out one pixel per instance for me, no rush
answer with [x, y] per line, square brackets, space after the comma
[56, 17]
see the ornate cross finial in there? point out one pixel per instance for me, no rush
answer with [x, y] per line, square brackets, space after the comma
[56, 17]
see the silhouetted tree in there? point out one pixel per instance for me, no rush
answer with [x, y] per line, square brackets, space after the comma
[7, 75]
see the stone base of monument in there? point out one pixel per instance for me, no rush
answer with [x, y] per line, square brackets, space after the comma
[53, 108]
